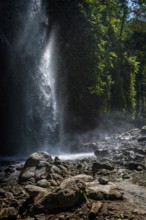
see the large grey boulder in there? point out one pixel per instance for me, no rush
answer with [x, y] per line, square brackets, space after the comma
[70, 193]
[36, 157]
[36, 167]
[61, 198]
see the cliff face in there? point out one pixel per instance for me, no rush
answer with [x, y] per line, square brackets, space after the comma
[76, 61]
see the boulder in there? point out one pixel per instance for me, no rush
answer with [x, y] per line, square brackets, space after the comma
[61, 198]
[33, 190]
[9, 195]
[98, 166]
[101, 153]
[70, 193]
[55, 169]
[36, 157]
[43, 183]
[36, 167]
[140, 151]
[42, 170]
[97, 191]
[81, 177]
[134, 166]
[56, 177]
[26, 174]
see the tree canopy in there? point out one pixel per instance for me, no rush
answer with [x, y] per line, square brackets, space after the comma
[119, 32]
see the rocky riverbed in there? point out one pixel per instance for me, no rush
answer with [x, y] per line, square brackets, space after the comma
[111, 185]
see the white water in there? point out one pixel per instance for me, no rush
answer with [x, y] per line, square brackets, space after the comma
[78, 156]
[48, 83]
[36, 45]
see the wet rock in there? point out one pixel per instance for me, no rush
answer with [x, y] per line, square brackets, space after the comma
[64, 170]
[36, 157]
[24, 209]
[57, 161]
[101, 153]
[14, 203]
[61, 217]
[8, 213]
[143, 130]
[2, 192]
[69, 181]
[125, 176]
[40, 217]
[138, 157]
[42, 170]
[19, 167]
[26, 174]
[103, 181]
[140, 151]
[141, 139]
[125, 152]
[98, 166]
[56, 177]
[9, 170]
[37, 166]
[55, 169]
[134, 166]
[43, 183]
[53, 183]
[61, 198]
[9, 195]
[96, 191]
[96, 206]
[33, 190]
[139, 212]
[79, 166]
[102, 172]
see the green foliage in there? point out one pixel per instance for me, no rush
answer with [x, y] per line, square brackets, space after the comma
[117, 66]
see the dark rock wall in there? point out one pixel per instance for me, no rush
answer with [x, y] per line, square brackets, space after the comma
[76, 61]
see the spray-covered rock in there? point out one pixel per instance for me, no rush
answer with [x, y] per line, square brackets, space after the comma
[36, 167]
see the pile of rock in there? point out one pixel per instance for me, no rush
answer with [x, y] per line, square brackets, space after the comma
[43, 186]
[48, 189]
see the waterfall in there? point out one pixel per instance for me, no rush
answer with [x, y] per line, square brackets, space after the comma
[47, 92]
[47, 84]
[45, 72]
[35, 49]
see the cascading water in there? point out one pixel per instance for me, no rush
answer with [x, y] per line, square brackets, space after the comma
[47, 86]
[34, 115]
[42, 114]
